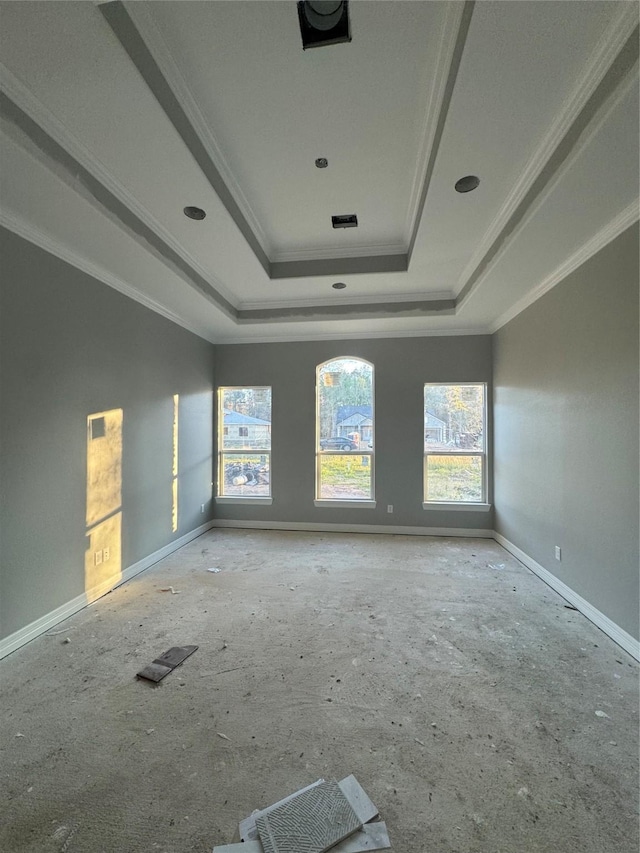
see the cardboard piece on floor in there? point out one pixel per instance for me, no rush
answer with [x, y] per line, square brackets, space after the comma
[246, 847]
[248, 829]
[313, 821]
[167, 662]
[360, 802]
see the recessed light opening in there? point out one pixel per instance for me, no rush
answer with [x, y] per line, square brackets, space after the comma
[322, 163]
[466, 184]
[194, 213]
[323, 22]
[339, 285]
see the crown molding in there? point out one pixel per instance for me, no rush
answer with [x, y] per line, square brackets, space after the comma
[379, 249]
[355, 336]
[610, 45]
[25, 100]
[156, 43]
[45, 241]
[435, 84]
[352, 300]
[599, 240]
[595, 125]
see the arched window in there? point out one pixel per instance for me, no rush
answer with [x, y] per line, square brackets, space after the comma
[344, 431]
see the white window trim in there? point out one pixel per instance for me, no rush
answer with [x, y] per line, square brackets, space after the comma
[362, 503]
[237, 499]
[355, 503]
[469, 506]
[240, 499]
[462, 505]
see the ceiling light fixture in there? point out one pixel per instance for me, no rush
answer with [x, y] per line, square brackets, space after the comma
[323, 22]
[194, 213]
[339, 285]
[466, 184]
[322, 163]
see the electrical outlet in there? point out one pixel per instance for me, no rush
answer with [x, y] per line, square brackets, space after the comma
[106, 554]
[389, 507]
[97, 558]
[202, 507]
[558, 553]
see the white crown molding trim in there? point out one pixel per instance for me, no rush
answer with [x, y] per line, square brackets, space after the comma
[39, 238]
[593, 128]
[603, 56]
[380, 299]
[155, 41]
[24, 98]
[435, 84]
[323, 527]
[608, 626]
[50, 620]
[603, 237]
[378, 249]
[353, 336]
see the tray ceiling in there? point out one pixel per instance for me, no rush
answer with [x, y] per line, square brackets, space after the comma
[118, 115]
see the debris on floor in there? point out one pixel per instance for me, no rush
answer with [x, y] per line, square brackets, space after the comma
[214, 570]
[167, 662]
[169, 589]
[324, 815]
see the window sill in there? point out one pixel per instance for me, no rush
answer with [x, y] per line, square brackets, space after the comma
[457, 506]
[241, 499]
[355, 504]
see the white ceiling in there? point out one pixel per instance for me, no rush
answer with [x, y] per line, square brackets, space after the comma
[116, 116]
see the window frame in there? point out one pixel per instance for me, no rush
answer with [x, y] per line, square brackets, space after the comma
[220, 497]
[360, 503]
[479, 506]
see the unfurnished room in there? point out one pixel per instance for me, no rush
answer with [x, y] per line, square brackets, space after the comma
[319, 426]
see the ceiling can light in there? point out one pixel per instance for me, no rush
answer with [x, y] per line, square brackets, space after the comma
[466, 184]
[194, 213]
[323, 22]
[339, 285]
[322, 163]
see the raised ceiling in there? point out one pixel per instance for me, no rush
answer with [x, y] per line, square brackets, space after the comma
[118, 115]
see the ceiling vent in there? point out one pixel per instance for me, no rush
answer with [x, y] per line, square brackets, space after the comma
[347, 220]
[323, 22]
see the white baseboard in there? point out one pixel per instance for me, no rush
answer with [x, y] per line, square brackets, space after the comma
[44, 623]
[323, 527]
[615, 632]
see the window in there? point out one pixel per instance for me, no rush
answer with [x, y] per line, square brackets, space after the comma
[344, 431]
[454, 444]
[244, 443]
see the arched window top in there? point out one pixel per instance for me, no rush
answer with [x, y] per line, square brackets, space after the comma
[345, 429]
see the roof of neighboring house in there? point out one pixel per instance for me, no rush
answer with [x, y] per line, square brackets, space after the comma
[231, 417]
[432, 421]
[345, 412]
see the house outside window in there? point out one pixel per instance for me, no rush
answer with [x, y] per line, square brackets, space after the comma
[455, 469]
[344, 432]
[244, 442]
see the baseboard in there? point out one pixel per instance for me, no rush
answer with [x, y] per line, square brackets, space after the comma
[615, 632]
[323, 527]
[50, 620]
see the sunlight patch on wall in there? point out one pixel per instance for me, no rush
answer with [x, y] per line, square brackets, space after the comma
[174, 469]
[103, 557]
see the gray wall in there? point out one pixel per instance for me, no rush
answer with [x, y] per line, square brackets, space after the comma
[566, 430]
[70, 347]
[402, 366]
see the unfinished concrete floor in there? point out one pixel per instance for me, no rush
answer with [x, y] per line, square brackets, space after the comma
[452, 682]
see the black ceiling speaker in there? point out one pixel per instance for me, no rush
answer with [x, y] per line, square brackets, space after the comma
[323, 22]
